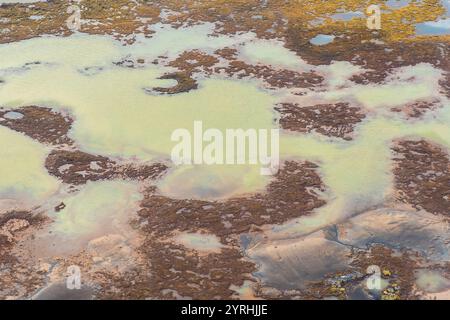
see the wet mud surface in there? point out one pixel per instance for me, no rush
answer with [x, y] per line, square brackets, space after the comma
[331, 120]
[312, 231]
[77, 167]
[423, 175]
[42, 124]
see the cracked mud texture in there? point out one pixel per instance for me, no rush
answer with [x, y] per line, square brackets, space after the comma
[169, 270]
[275, 78]
[39, 123]
[190, 274]
[194, 61]
[396, 270]
[422, 175]
[197, 62]
[177, 272]
[293, 192]
[184, 83]
[417, 109]
[333, 120]
[17, 278]
[77, 167]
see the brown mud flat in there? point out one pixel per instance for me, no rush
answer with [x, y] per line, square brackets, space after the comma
[77, 167]
[194, 61]
[380, 57]
[188, 63]
[18, 278]
[271, 19]
[394, 46]
[171, 270]
[422, 175]
[396, 243]
[184, 83]
[72, 166]
[293, 192]
[445, 84]
[275, 78]
[40, 123]
[166, 269]
[332, 120]
[396, 268]
[119, 18]
[418, 109]
[176, 271]
[197, 62]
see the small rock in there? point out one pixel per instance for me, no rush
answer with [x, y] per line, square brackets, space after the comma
[60, 207]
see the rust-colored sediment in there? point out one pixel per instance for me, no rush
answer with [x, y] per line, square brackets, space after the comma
[197, 62]
[18, 278]
[175, 270]
[396, 269]
[333, 120]
[170, 270]
[422, 175]
[291, 194]
[77, 167]
[184, 83]
[41, 124]
[417, 109]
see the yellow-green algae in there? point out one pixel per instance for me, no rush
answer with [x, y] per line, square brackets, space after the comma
[357, 173]
[99, 209]
[116, 114]
[99, 206]
[23, 176]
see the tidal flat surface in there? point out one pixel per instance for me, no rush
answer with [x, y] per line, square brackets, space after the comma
[87, 179]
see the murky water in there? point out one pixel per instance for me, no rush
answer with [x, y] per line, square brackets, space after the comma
[200, 242]
[59, 291]
[431, 281]
[346, 16]
[433, 28]
[116, 117]
[271, 53]
[322, 39]
[116, 114]
[24, 178]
